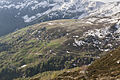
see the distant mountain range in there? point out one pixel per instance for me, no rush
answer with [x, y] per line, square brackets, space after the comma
[16, 14]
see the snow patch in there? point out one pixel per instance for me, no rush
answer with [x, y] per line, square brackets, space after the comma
[23, 66]
[118, 62]
[101, 33]
[28, 19]
[79, 43]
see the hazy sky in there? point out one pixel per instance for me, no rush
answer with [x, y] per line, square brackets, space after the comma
[106, 0]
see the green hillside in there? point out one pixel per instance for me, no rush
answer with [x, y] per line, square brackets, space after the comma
[42, 47]
[48, 46]
[105, 68]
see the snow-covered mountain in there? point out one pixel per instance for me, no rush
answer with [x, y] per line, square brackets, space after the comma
[15, 14]
[107, 9]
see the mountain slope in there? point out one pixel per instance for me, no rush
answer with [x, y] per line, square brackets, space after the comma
[107, 9]
[105, 68]
[16, 14]
[57, 45]
[38, 49]
[108, 66]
